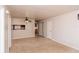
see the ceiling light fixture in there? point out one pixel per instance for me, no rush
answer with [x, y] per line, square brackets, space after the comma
[27, 20]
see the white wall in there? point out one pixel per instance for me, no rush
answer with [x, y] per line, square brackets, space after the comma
[40, 28]
[5, 39]
[49, 28]
[2, 31]
[64, 29]
[43, 28]
[7, 30]
[29, 29]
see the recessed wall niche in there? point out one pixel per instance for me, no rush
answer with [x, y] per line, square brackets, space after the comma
[18, 27]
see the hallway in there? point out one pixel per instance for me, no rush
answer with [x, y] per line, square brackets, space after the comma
[38, 45]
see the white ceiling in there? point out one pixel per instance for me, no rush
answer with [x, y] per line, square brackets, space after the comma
[40, 11]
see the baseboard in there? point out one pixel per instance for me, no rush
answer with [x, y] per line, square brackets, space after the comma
[64, 43]
[22, 38]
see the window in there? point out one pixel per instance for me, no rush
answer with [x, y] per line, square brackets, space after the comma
[18, 27]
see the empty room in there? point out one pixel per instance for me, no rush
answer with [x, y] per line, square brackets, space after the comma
[40, 28]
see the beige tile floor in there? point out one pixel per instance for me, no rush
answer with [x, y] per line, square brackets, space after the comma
[38, 45]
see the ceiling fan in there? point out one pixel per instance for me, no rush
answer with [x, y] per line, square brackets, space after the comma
[27, 20]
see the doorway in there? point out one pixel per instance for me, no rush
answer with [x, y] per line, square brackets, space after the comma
[36, 28]
[39, 28]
